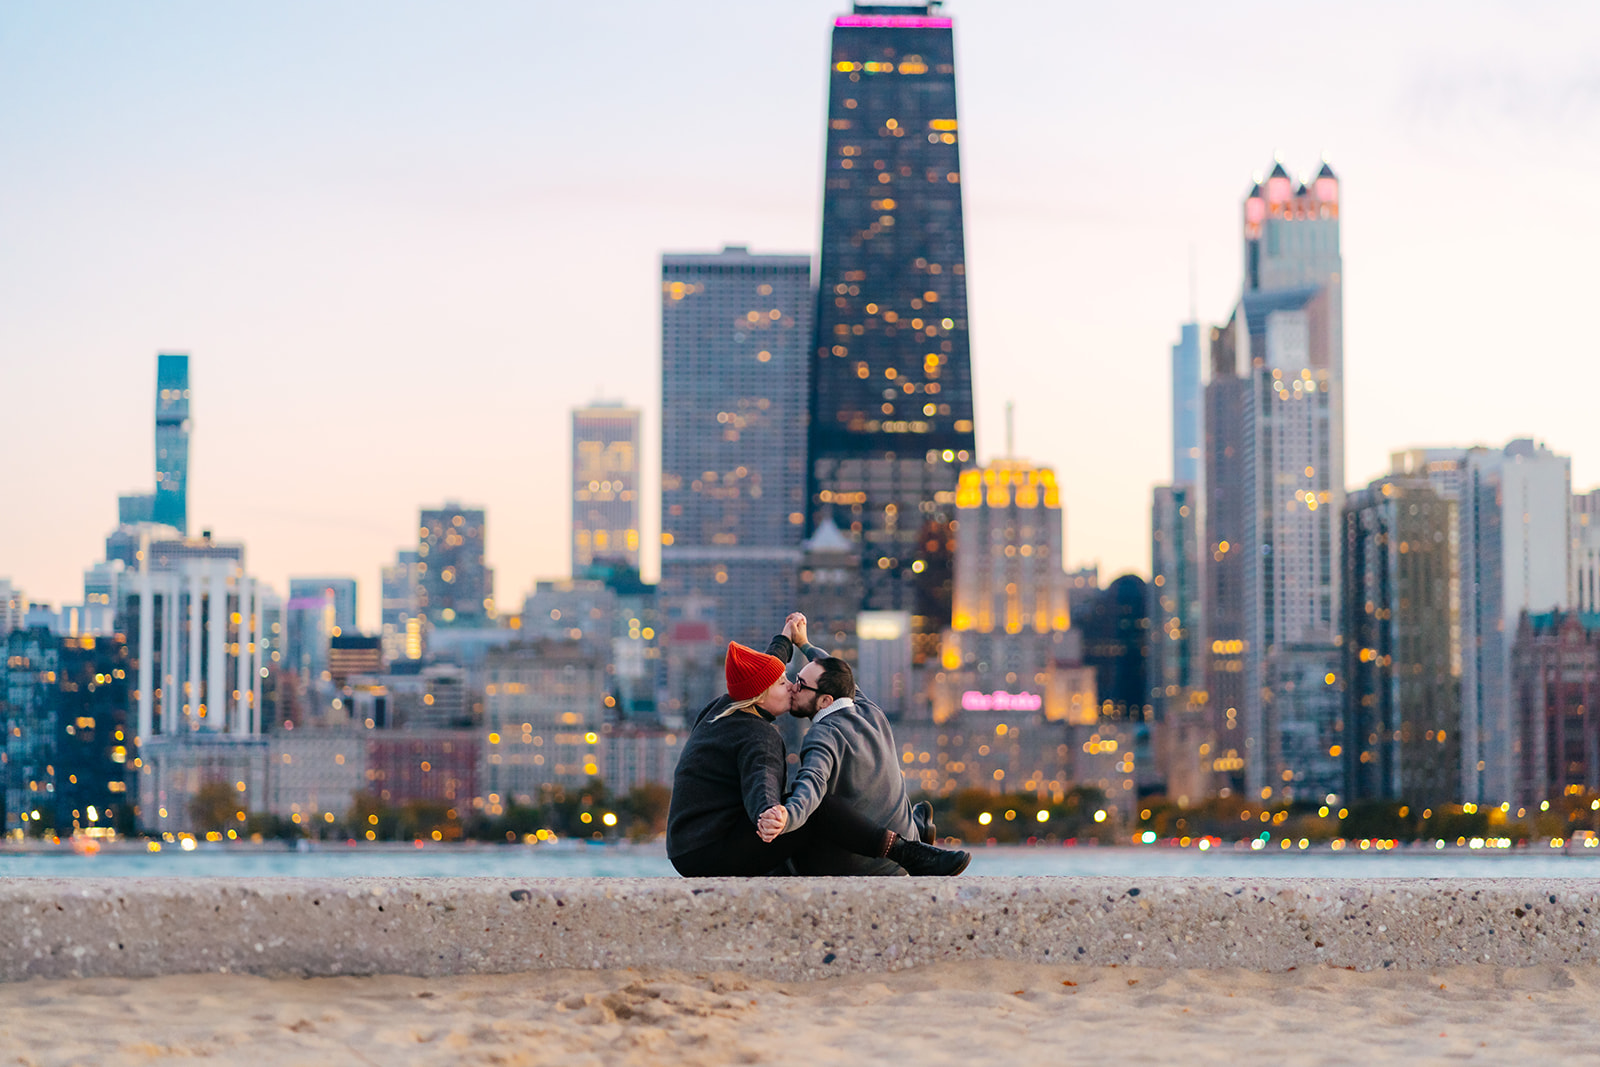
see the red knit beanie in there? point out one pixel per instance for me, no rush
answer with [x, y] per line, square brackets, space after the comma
[750, 673]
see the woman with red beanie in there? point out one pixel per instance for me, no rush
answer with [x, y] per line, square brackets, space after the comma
[731, 773]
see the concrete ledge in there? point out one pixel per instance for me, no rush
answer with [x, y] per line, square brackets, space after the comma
[782, 929]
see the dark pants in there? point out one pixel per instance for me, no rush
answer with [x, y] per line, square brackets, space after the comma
[743, 854]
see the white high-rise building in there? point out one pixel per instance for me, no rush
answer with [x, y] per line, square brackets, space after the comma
[1516, 541]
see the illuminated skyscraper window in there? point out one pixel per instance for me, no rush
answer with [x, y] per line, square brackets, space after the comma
[891, 411]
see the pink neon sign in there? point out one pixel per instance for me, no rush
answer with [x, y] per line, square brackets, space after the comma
[972, 700]
[904, 22]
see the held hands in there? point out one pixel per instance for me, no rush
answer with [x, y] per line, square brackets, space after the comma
[794, 628]
[772, 822]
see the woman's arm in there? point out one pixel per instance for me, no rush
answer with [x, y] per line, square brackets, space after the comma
[761, 768]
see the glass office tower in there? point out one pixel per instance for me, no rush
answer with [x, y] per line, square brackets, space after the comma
[891, 383]
[171, 504]
[735, 332]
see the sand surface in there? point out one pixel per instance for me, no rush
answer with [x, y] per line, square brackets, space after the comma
[969, 1013]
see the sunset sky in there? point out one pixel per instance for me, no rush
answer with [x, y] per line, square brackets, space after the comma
[401, 241]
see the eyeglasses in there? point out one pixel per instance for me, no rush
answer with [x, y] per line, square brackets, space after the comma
[801, 685]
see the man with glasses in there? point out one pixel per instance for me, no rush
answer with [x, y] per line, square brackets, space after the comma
[848, 752]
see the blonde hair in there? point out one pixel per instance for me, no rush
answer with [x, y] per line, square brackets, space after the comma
[737, 705]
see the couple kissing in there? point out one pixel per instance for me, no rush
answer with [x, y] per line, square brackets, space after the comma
[847, 811]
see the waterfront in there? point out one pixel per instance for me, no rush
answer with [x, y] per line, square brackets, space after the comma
[577, 860]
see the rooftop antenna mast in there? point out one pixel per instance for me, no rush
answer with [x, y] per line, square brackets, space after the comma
[1011, 450]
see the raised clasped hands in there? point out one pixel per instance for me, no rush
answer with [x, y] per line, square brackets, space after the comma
[794, 627]
[772, 822]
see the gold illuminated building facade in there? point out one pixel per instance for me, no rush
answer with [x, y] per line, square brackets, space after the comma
[1010, 647]
[605, 485]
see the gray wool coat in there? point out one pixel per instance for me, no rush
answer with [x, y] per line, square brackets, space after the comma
[852, 754]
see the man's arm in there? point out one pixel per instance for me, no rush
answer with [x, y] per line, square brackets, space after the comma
[819, 759]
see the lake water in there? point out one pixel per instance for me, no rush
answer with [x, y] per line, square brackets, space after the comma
[581, 861]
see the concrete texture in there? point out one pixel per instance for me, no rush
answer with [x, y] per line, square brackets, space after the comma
[782, 929]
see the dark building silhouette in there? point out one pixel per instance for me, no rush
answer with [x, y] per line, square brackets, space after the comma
[1116, 635]
[891, 384]
[65, 735]
[1402, 644]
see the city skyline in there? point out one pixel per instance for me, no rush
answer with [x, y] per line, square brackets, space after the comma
[292, 403]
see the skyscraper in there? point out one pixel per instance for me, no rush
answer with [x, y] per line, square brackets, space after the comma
[1586, 552]
[1010, 635]
[1225, 618]
[1516, 553]
[605, 486]
[891, 382]
[1175, 562]
[1175, 610]
[1516, 544]
[1402, 643]
[319, 609]
[171, 504]
[401, 612]
[1188, 399]
[1288, 340]
[457, 586]
[735, 330]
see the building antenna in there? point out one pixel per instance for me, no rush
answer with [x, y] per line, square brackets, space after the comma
[1011, 451]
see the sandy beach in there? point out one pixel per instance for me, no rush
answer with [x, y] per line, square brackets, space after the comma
[974, 1012]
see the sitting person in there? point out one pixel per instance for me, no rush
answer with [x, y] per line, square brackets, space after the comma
[849, 753]
[727, 811]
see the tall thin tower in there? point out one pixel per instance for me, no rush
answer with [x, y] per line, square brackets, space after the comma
[891, 378]
[171, 504]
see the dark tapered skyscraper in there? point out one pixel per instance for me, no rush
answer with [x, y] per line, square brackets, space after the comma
[891, 382]
[171, 504]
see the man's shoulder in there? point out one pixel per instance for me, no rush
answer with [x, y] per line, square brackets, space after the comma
[850, 720]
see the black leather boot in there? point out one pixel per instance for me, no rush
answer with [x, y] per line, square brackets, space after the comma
[921, 859]
[922, 819]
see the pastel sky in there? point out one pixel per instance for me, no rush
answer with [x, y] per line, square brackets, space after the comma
[403, 240]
